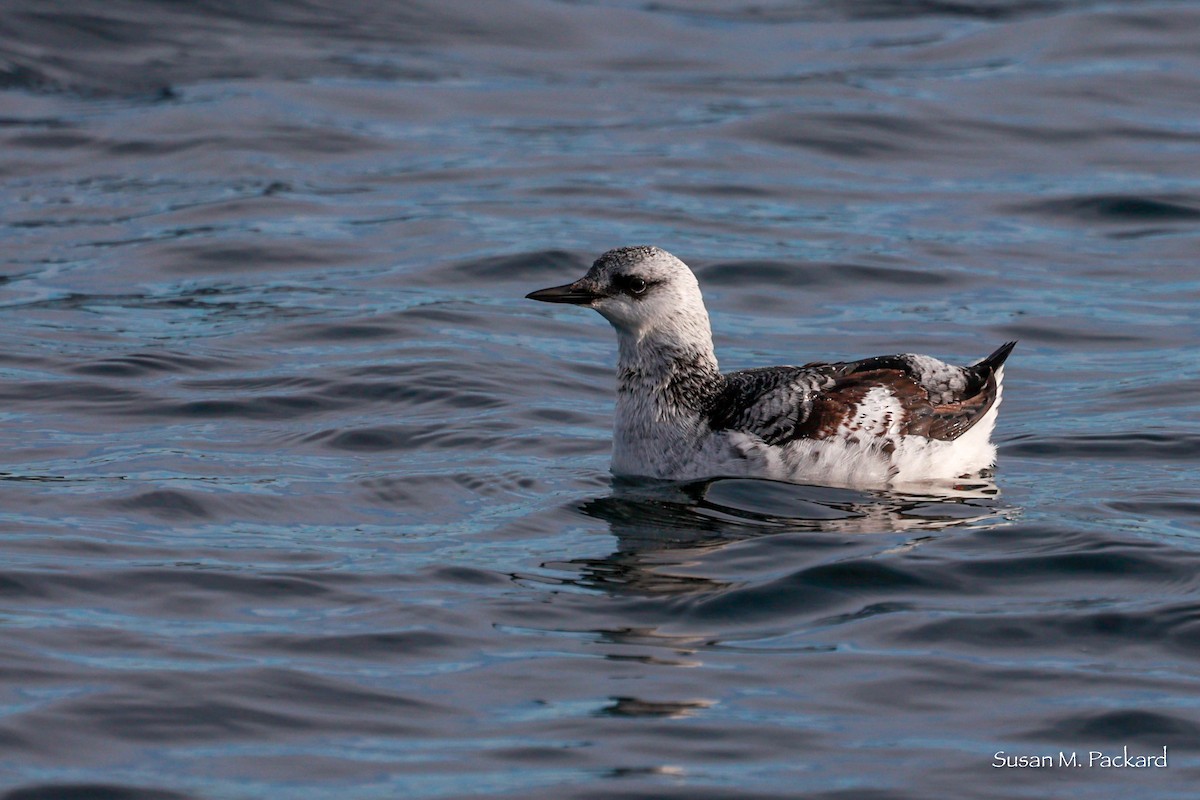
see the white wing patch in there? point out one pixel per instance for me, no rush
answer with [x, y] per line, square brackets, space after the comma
[879, 414]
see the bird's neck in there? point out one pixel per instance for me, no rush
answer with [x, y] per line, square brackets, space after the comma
[663, 386]
[664, 375]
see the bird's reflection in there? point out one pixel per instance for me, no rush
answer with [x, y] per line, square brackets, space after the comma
[660, 526]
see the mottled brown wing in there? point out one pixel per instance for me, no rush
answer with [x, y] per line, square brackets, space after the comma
[840, 407]
[924, 397]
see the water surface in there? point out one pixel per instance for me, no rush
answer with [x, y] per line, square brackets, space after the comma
[302, 499]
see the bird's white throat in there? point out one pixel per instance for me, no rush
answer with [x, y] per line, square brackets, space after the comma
[664, 381]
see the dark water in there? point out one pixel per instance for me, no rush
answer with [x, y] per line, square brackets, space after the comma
[301, 499]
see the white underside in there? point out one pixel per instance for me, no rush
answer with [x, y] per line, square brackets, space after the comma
[865, 459]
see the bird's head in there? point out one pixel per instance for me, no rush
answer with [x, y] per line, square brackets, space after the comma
[643, 291]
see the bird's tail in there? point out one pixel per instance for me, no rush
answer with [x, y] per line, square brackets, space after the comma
[996, 360]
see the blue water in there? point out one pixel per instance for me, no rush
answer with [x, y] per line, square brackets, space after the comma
[301, 499]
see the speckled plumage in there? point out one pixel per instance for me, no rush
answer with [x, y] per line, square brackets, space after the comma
[881, 421]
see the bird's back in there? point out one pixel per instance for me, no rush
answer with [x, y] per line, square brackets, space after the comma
[915, 416]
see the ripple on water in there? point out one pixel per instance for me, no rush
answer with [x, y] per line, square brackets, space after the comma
[1175, 628]
[150, 362]
[1149, 729]
[92, 791]
[1116, 209]
[776, 273]
[1132, 446]
[518, 267]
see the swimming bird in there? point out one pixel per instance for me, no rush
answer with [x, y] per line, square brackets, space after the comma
[880, 422]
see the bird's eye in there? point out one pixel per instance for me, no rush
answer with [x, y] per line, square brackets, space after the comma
[636, 286]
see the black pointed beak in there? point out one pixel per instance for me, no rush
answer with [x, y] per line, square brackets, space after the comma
[575, 293]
